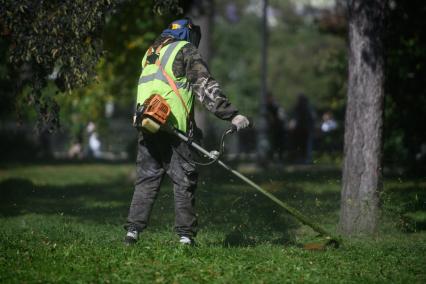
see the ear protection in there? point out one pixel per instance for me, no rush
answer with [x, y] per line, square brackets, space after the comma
[194, 33]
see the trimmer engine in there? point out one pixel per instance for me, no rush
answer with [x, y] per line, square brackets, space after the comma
[152, 113]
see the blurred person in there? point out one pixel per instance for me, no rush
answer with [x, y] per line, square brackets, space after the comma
[328, 123]
[174, 51]
[276, 119]
[328, 141]
[76, 148]
[303, 126]
[94, 149]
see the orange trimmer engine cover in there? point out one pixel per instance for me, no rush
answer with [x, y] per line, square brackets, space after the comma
[157, 108]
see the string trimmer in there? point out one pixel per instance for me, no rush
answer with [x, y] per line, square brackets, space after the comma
[152, 118]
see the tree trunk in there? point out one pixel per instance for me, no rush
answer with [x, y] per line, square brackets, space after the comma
[363, 126]
[202, 13]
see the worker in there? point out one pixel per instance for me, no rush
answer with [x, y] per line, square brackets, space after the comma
[173, 68]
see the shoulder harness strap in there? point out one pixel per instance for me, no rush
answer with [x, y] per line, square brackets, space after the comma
[169, 79]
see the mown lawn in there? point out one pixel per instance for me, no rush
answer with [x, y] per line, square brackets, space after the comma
[63, 223]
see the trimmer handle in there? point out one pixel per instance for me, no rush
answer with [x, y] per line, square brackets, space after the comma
[233, 128]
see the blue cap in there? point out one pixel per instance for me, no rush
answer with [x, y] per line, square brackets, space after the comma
[178, 29]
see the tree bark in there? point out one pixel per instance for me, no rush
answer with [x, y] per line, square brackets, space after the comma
[359, 210]
[202, 13]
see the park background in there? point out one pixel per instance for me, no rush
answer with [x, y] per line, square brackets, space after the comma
[68, 74]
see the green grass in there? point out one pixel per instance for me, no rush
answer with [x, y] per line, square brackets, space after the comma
[63, 223]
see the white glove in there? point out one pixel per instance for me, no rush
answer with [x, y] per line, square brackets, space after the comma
[240, 122]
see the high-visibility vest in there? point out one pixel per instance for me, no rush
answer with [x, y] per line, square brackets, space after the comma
[159, 79]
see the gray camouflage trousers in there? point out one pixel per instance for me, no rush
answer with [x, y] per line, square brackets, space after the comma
[160, 154]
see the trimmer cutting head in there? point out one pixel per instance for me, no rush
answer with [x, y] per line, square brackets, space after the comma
[323, 243]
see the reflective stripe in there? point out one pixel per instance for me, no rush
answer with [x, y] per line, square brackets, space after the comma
[169, 49]
[146, 79]
[159, 76]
